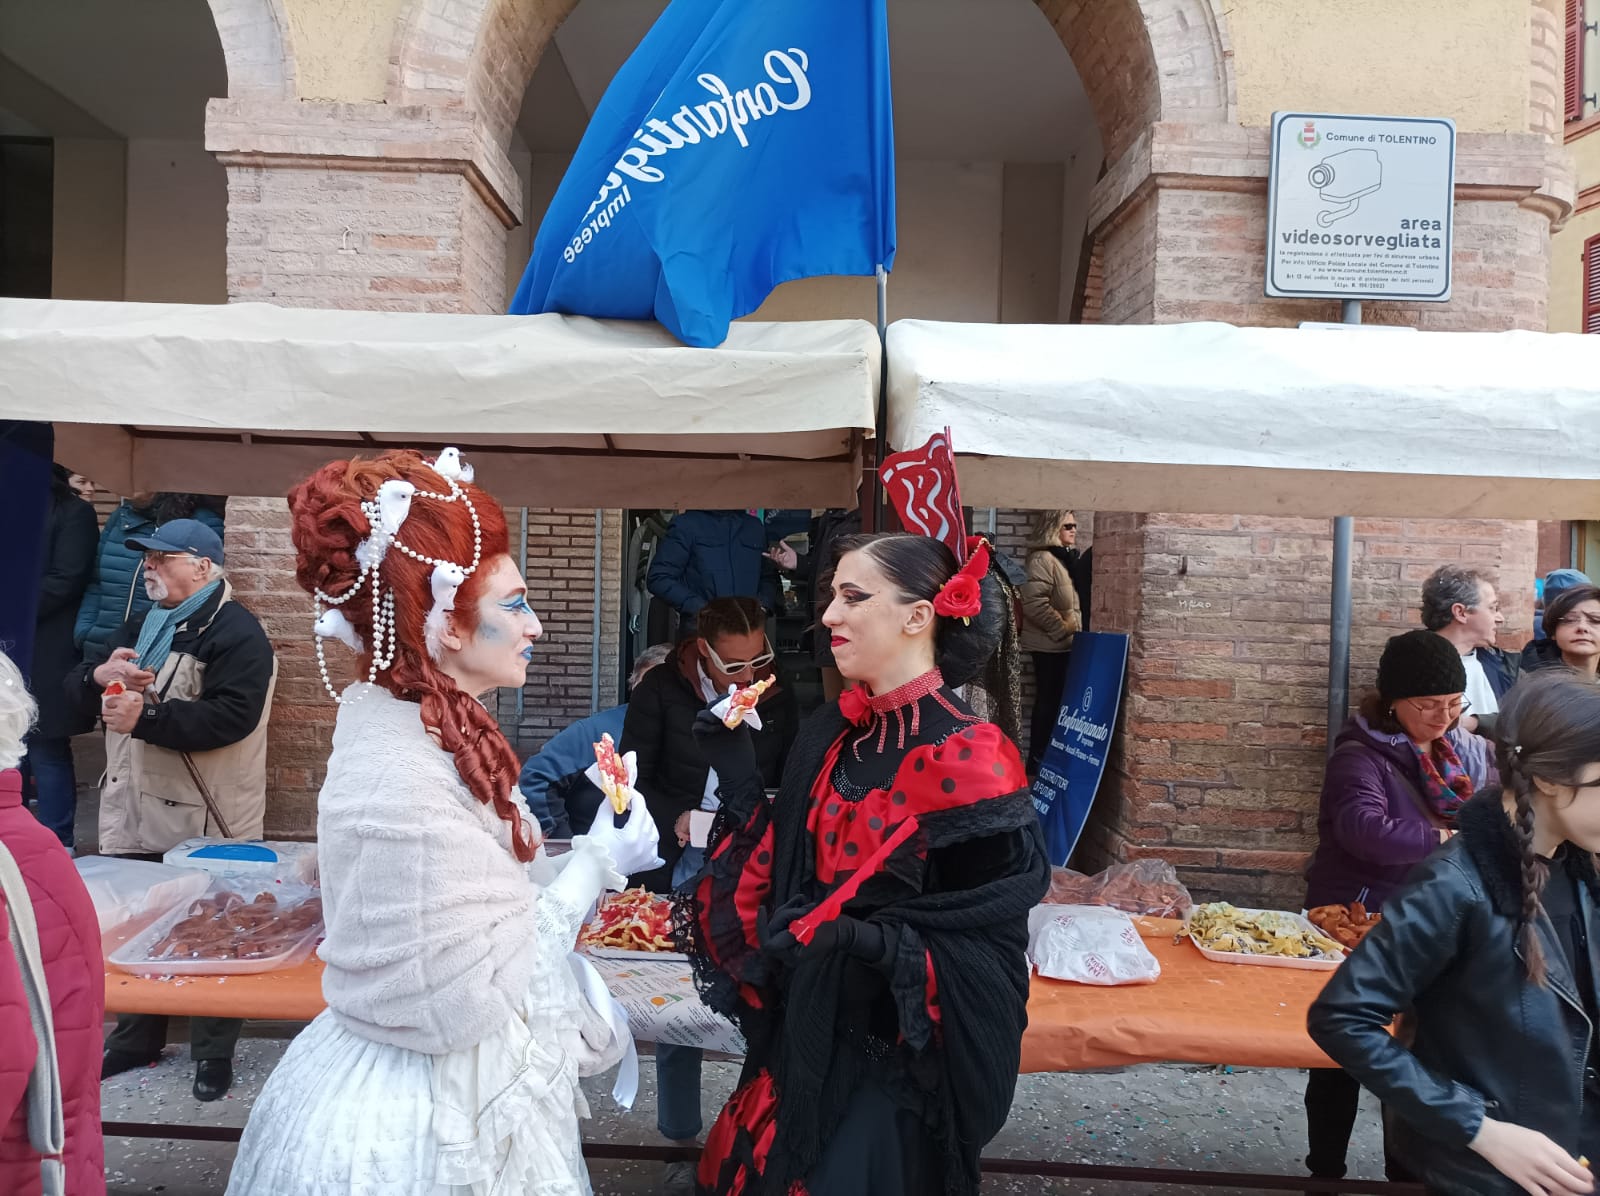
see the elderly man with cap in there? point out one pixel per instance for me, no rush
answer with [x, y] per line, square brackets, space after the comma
[186, 744]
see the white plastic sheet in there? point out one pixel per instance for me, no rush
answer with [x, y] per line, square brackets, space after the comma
[248, 398]
[1278, 421]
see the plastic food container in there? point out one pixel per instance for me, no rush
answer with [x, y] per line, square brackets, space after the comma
[1313, 964]
[141, 954]
[260, 859]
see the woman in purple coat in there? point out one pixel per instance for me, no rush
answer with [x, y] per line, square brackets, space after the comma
[1398, 772]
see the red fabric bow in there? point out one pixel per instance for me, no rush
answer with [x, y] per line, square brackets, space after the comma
[855, 706]
[962, 596]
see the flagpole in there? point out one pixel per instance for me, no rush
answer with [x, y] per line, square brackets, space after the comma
[873, 509]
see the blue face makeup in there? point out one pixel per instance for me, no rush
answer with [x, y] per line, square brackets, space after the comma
[518, 605]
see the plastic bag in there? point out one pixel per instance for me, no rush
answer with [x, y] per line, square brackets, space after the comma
[278, 861]
[123, 889]
[235, 926]
[1089, 944]
[1145, 888]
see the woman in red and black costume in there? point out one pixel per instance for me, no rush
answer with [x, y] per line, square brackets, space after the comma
[883, 1054]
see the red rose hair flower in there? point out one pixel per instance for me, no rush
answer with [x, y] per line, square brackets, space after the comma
[962, 596]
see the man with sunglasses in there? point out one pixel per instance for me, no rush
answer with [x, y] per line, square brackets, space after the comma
[184, 691]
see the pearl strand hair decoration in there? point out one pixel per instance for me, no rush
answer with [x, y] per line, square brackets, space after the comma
[386, 513]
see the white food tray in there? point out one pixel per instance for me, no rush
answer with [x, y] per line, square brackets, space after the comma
[1272, 961]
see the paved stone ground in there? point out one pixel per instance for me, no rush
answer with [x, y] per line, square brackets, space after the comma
[1166, 1116]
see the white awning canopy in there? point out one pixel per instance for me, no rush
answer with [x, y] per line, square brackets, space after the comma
[553, 410]
[1208, 418]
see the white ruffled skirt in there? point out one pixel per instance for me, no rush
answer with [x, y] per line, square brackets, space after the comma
[342, 1115]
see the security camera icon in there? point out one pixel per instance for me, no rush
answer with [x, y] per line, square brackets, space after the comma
[1343, 179]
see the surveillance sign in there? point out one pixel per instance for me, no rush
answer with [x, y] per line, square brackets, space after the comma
[1360, 207]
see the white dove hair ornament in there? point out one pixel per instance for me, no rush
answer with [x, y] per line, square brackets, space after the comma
[447, 580]
[450, 465]
[386, 514]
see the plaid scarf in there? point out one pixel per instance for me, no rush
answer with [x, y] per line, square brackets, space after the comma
[1444, 780]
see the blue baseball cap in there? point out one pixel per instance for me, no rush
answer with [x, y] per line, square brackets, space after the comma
[1563, 579]
[181, 535]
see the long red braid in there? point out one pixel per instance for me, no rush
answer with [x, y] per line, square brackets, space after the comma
[329, 524]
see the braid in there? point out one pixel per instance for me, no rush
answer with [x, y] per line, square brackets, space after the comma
[1534, 870]
[483, 758]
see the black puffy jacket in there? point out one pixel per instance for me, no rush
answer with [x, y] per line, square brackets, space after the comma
[1488, 1041]
[672, 773]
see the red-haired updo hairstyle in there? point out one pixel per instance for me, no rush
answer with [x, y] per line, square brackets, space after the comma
[329, 524]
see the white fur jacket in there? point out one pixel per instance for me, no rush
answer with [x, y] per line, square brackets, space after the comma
[431, 927]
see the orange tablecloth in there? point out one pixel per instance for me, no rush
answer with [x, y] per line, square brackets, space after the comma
[1198, 1012]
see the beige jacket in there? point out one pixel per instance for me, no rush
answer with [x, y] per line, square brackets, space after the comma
[148, 800]
[1050, 615]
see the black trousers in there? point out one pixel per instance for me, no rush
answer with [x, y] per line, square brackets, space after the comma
[1333, 1099]
[146, 1034]
[1050, 678]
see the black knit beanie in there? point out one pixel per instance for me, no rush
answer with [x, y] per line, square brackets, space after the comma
[1420, 664]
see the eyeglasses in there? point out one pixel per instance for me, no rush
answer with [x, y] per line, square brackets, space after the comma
[155, 557]
[1441, 706]
[738, 666]
[1576, 617]
[1069, 527]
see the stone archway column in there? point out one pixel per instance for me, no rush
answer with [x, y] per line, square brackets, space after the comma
[363, 205]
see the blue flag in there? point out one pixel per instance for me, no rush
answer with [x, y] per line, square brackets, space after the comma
[743, 144]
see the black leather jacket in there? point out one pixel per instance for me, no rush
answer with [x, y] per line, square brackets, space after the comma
[1488, 1041]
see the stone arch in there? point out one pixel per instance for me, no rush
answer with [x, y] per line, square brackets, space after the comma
[256, 47]
[477, 54]
[1141, 61]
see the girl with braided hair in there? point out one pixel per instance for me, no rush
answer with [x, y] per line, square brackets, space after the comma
[884, 1022]
[447, 1061]
[1492, 1083]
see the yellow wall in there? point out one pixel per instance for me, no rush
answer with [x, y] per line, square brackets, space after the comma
[1464, 59]
[342, 47]
[1566, 271]
[1585, 153]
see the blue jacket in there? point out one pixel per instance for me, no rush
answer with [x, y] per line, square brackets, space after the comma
[552, 780]
[713, 554]
[115, 592]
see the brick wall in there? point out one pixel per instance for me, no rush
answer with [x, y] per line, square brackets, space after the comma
[561, 590]
[300, 728]
[1223, 734]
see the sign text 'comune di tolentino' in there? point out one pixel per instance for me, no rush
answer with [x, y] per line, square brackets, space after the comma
[727, 111]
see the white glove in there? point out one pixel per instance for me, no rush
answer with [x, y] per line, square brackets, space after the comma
[586, 873]
[631, 846]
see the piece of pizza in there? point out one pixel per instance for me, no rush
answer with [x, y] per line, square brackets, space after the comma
[741, 703]
[614, 780]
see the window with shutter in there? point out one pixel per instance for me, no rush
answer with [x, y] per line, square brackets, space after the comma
[1591, 284]
[1574, 96]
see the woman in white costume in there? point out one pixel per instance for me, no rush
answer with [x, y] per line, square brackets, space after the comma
[447, 1062]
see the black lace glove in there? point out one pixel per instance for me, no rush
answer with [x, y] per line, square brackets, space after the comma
[733, 755]
[872, 943]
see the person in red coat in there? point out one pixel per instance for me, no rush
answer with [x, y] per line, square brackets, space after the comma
[69, 946]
